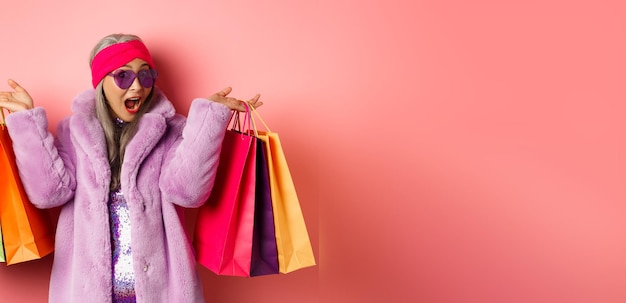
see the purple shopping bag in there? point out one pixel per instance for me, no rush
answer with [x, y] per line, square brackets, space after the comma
[264, 250]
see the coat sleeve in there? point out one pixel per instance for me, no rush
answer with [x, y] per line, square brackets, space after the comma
[189, 171]
[44, 163]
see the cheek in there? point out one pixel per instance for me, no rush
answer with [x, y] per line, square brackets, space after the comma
[109, 87]
[111, 92]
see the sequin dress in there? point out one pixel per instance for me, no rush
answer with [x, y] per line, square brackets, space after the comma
[119, 217]
[123, 274]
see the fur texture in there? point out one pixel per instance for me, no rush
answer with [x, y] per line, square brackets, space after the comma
[170, 164]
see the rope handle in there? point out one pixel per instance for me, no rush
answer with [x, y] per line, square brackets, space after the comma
[235, 121]
[251, 120]
[248, 127]
[260, 118]
[3, 124]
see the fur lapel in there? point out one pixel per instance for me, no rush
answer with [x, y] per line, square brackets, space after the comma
[151, 129]
[89, 135]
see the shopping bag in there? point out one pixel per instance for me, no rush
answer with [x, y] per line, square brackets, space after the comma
[292, 238]
[27, 232]
[224, 224]
[264, 251]
[2, 258]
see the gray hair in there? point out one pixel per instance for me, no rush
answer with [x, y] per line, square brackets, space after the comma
[117, 138]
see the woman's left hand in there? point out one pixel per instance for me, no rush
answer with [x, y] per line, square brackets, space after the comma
[234, 103]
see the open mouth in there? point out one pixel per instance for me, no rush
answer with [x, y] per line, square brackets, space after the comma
[132, 105]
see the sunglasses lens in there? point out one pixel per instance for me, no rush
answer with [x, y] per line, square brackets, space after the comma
[125, 78]
[147, 77]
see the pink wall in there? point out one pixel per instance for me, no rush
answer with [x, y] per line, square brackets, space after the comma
[444, 151]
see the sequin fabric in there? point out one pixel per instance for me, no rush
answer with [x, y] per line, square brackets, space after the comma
[119, 216]
[123, 274]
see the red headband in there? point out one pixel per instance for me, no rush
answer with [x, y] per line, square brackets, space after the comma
[115, 56]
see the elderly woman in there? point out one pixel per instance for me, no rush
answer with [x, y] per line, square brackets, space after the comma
[121, 167]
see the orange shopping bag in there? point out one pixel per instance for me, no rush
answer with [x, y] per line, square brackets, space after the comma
[292, 238]
[27, 232]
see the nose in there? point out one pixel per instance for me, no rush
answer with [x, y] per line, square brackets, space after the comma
[135, 85]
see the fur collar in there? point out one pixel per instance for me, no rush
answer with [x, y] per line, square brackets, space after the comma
[89, 135]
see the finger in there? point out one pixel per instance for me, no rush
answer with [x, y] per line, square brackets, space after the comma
[14, 85]
[5, 96]
[224, 92]
[12, 106]
[254, 99]
[255, 104]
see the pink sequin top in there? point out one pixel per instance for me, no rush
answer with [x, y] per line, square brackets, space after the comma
[119, 218]
[123, 274]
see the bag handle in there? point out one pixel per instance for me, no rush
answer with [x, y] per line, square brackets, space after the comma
[250, 120]
[235, 121]
[248, 127]
[259, 116]
[2, 123]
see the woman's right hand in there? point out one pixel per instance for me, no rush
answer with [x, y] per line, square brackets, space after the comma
[234, 103]
[17, 100]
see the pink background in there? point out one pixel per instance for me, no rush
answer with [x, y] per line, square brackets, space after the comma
[443, 151]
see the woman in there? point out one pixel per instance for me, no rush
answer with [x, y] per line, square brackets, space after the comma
[122, 166]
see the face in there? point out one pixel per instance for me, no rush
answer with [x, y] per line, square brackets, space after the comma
[125, 103]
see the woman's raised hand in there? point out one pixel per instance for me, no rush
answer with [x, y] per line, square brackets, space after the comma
[233, 103]
[17, 100]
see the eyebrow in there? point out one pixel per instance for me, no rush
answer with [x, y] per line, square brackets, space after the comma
[145, 64]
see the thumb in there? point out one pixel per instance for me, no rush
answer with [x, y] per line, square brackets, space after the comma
[224, 92]
[16, 86]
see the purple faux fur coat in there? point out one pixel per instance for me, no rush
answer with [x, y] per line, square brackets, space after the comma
[170, 164]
